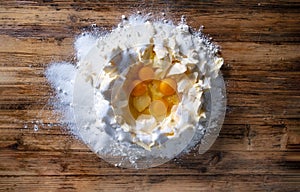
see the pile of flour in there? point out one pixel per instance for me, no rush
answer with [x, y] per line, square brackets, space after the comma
[62, 77]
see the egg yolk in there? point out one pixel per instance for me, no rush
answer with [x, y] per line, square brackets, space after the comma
[138, 88]
[168, 86]
[146, 73]
[158, 108]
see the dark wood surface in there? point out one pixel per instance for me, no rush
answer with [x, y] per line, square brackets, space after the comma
[259, 145]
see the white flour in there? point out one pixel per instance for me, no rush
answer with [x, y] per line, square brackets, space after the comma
[82, 93]
[61, 76]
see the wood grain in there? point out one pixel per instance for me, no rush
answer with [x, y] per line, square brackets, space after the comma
[259, 145]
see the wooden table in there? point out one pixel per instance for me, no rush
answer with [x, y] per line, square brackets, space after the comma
[258, 148]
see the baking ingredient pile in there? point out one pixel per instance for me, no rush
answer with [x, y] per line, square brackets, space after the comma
[135, 96]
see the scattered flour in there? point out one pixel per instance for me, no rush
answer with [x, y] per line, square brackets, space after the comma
[61, 76]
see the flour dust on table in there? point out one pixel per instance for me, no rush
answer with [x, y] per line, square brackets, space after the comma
[142, 93]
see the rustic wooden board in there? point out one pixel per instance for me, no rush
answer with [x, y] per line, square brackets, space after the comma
[259, 145]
